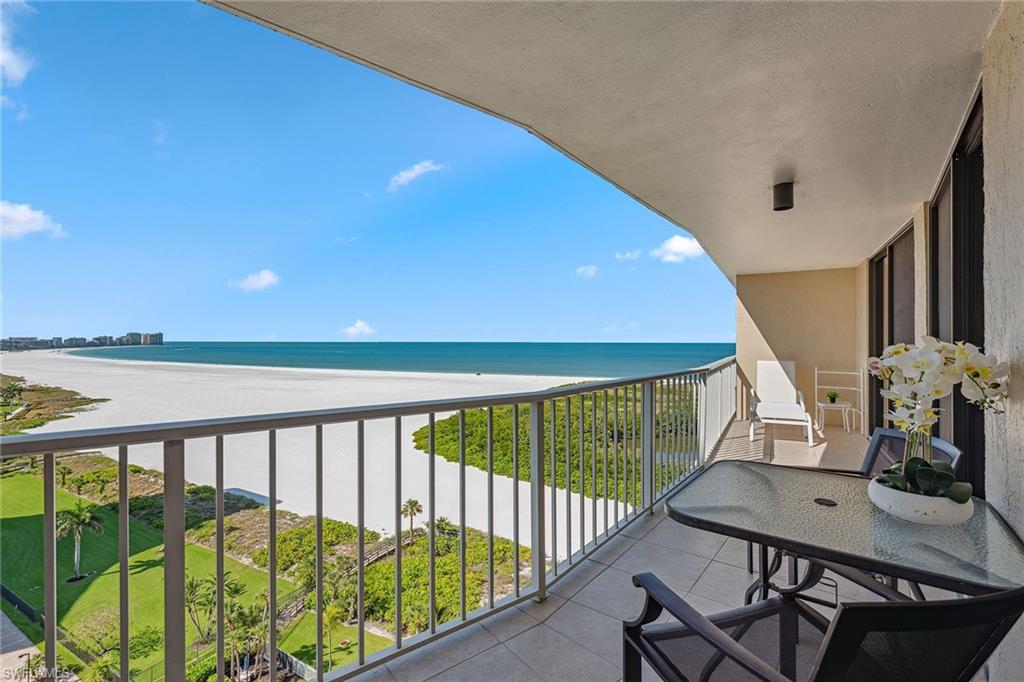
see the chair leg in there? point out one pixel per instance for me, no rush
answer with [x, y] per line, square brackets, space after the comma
[751, 430]
[750, 556]
[632, 670]
[810, 434]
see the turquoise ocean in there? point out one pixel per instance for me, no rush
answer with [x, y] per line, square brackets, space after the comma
[555, 359]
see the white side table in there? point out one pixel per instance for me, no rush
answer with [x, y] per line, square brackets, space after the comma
[841, 405]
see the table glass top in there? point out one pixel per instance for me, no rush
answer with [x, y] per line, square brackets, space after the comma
[776, 504]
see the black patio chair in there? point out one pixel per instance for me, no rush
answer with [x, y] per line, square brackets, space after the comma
[781, 638]
[885, 449]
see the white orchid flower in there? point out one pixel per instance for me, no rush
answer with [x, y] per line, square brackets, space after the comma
[919, 361]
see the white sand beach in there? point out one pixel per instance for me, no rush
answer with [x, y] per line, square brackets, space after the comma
[152, 392]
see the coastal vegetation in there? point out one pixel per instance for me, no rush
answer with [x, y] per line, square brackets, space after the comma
[617, 438]
[85, 604]
[88, 565]
[29, 406]
[87, 501]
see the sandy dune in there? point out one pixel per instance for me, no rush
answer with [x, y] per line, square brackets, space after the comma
[151, 392]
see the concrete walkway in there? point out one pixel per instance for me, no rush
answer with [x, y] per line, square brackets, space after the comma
[13, 647]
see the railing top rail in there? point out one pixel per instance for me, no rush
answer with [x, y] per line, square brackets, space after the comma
[16, 446]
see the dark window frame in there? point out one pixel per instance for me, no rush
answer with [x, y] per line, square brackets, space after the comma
[881, 313]
[963, 178]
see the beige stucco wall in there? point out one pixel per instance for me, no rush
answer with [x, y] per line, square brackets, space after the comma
[1003, 91]
[810, 317]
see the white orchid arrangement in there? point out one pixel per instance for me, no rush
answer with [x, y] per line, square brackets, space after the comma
[917, 376]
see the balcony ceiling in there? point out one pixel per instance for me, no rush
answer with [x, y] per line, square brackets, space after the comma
[694, 108]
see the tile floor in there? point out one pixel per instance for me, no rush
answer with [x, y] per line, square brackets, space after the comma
[576, 633]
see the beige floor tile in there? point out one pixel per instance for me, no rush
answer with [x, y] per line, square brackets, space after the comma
[673, 534]
[497, 664]
[613, 594]
[553, 656]
[598, 632]
[540, 611]
[508, 623]
[439, 656]
[612, 549]
[577, 578]
[642, 525]
[678, 570]
[723, 583]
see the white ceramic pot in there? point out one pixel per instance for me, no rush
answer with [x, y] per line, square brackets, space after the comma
[936, 511]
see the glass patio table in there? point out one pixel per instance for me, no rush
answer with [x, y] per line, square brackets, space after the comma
[828, 517]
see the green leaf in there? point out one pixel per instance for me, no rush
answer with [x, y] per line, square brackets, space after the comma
[960, 492]
[893, 481]
[943, 466]
[933, 482]
[910, 469]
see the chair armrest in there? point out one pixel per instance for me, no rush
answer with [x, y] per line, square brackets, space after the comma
[666, 599]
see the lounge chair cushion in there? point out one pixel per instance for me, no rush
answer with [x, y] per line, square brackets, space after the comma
[781, 411]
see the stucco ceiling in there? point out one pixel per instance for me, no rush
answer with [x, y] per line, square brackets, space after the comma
[696, 108]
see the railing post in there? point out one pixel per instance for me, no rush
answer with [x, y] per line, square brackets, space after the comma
[174, 560]
[537, 519]
[50, 565]
[702, 417]
[647, 445]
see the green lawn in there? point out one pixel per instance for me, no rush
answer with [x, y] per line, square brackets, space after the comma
[79, 603]
[300, 641]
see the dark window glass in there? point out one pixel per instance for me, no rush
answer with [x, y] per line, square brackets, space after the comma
[901, 254]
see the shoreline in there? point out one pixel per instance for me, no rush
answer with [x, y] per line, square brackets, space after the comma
[364, 373]
[148, 392]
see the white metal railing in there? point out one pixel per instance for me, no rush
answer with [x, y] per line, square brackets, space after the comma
[648, 432]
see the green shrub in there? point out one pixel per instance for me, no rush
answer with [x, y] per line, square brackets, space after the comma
[201, 671]
[295, 544]
[202, 492]
[379, 602]
[620, 439]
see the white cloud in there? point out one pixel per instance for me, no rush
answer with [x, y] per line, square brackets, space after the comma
[676, 249]
[587, 271]
[344, 240]
[21, 110]
[18, 220]
[14, 62]
[628, 255]
[357, 330]
[258, 281]
[407, 175]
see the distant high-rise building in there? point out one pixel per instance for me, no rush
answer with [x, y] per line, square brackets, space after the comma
[75, 342]
[133, 339]
[57, 342]
[153, 339]
[102, 341]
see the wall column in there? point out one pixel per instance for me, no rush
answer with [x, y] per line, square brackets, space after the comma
[1003, 92]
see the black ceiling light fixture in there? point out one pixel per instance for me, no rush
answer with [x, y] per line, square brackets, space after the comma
[782, 195]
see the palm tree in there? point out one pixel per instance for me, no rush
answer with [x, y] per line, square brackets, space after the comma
[74, 521]
[411, 508]
[200, 600]
[63, 470]
[333, 615]
[102, 668]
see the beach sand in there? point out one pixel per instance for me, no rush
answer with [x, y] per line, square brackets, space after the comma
[154, 392]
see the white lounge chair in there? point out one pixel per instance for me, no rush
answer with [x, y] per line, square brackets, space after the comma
[776, 400]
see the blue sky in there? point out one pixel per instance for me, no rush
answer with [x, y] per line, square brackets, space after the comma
[167, 166]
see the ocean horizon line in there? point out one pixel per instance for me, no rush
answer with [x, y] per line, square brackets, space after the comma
[600, 359]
